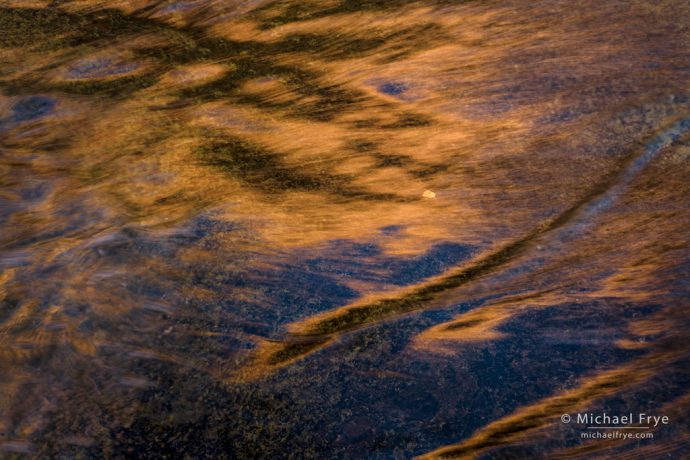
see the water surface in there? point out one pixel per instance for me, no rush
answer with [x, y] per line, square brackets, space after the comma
[342, 228]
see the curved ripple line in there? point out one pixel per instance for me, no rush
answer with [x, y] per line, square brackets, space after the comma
[317, 332]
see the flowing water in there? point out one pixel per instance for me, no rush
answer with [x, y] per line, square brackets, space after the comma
[343, 228]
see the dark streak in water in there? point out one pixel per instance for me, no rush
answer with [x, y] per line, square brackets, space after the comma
[246, 59]
[262, 169]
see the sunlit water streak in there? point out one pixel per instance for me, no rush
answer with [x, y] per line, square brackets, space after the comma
[341, 229]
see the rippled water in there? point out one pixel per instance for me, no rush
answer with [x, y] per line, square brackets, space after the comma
[342, 228]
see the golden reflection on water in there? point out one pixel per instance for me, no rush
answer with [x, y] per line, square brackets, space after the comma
[225, 198]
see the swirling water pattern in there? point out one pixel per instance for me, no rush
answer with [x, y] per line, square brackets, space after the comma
[342, 228]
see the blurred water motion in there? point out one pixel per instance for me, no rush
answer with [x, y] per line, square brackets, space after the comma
[342, 228]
